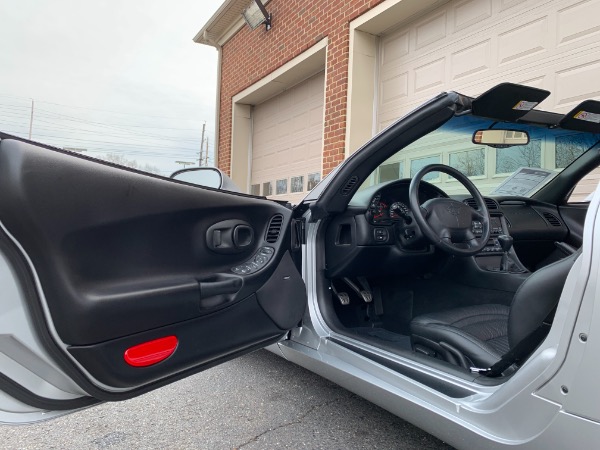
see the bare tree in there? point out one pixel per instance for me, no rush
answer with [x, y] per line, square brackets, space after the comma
[471, 163]
[569, 148]
[121, 160]
[510, 159]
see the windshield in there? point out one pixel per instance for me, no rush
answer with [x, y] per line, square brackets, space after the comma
[516, 170]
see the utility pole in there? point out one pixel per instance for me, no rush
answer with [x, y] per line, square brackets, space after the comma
[206, 153]
[202, 144]
[31, 120]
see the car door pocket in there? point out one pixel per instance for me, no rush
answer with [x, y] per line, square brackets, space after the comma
[219, 289]
[230, 236]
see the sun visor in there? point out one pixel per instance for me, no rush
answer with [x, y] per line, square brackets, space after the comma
[585, 117]
[508, 101]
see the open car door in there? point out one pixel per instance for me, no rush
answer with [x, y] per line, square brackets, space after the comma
[114, 282]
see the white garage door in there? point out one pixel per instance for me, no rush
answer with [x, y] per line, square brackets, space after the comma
[287, 142]
[470, 46]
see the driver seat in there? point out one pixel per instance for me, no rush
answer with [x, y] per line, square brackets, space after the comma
[478, 336]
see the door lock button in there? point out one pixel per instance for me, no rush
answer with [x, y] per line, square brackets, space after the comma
[257, 262]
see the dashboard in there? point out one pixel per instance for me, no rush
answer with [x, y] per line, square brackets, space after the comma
[377, 233]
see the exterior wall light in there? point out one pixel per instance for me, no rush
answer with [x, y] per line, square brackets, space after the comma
[256, 14]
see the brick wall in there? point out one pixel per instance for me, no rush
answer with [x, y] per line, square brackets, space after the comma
[297, 25]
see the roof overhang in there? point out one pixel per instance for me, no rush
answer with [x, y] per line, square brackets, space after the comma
[224, 23]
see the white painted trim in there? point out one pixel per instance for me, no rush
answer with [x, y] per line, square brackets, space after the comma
[379, 19]
[274, 77]
[232, 31]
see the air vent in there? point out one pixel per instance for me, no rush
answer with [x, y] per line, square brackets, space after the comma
[552, 219]
[489, 202]
[350, 184]
[274, 229]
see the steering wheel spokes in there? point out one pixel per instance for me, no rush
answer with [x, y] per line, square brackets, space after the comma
[448, 223]
[466, 241]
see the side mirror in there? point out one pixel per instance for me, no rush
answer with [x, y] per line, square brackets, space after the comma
[206, 176]
[500, 138]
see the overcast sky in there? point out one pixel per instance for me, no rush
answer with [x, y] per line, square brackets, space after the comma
[120, 77]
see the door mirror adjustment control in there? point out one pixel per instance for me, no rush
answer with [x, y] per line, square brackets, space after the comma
[257, 262]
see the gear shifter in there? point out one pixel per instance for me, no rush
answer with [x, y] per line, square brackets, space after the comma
[506, 243]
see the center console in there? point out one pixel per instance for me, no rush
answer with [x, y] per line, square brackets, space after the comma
[493, 257]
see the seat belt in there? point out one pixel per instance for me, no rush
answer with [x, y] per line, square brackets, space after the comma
[521, 351]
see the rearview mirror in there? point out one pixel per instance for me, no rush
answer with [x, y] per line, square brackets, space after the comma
[500, 138]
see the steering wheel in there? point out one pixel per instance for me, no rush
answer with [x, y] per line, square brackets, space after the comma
[448, 223]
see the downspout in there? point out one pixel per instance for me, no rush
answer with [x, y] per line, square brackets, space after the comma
[206, 40]
[218, 109]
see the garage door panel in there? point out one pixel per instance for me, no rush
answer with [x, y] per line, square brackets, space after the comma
[431, 30]
[430, 75]
[553, 45]
[316, 117]
[579, 22]
[508, 4]
[288, 138]
[523, 41]
[575, 84]
[394, 88]
[395, 48]
[471, 13]
[474, 60]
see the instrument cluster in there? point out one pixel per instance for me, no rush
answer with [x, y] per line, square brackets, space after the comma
[383, 210]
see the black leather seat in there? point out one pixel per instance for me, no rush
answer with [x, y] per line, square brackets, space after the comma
[480, 335]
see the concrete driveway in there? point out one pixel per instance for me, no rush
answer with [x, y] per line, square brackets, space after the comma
[255, 402]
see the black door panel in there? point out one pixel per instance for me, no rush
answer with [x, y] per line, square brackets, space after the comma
[123, 258]
[201, 341]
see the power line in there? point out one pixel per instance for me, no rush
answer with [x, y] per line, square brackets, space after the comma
[55, 128]
[54, 116]
[84, 130]
[110, 143]
[107, 110]
[135, 145]
[99, 124]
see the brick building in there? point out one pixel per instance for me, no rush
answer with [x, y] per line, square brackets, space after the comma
[295, 100]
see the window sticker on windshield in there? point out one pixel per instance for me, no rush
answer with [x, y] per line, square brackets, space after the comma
[524, 105]
[524, 181]
[587, 116]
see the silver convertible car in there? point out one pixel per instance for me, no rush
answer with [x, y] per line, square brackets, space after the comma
[447, 272]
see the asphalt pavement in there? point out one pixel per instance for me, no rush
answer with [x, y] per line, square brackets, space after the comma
[259, 401]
